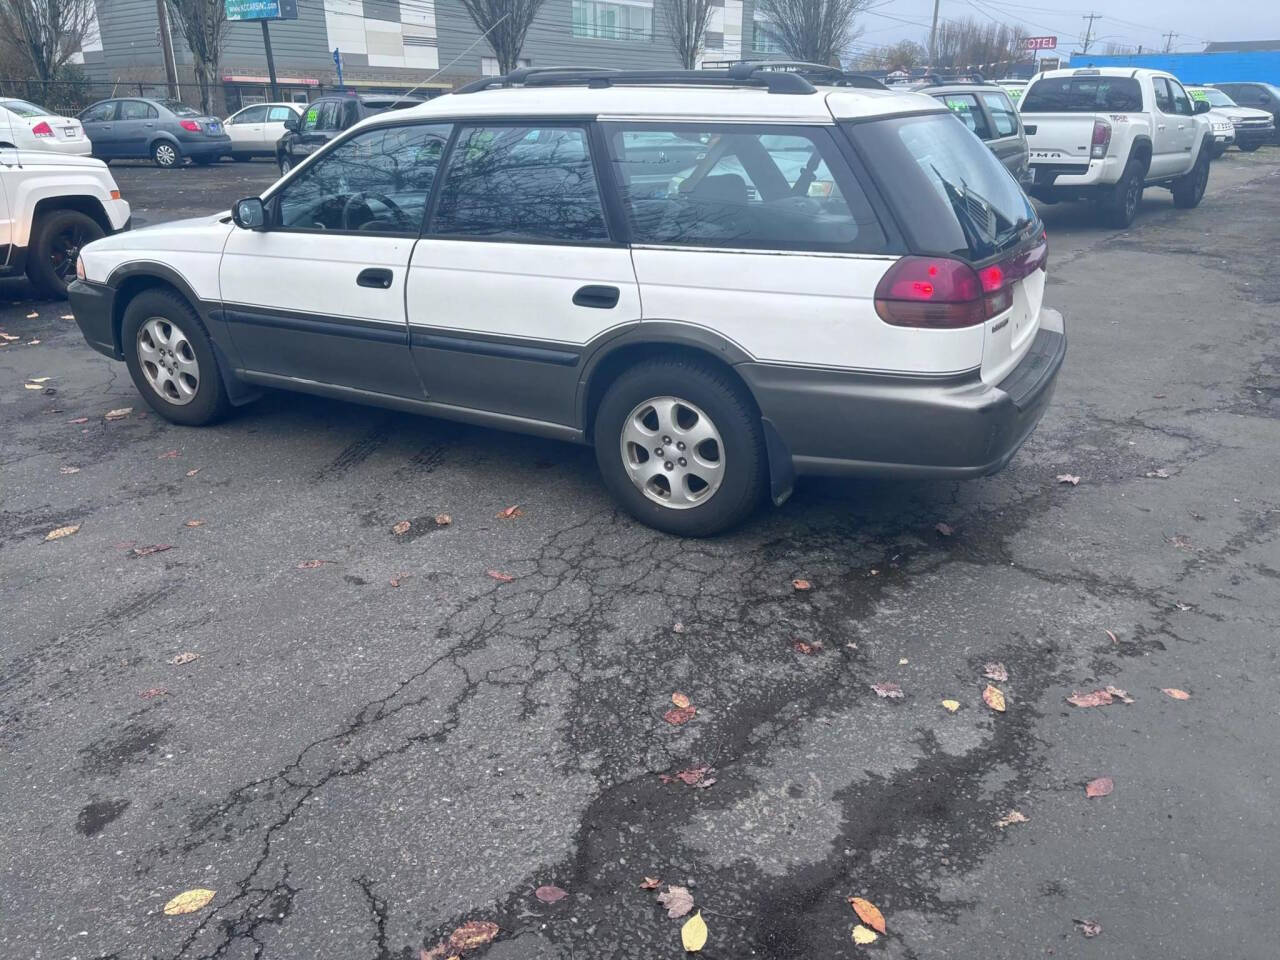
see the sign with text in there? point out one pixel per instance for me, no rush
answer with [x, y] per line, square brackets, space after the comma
[1031, 43]
[262, 9]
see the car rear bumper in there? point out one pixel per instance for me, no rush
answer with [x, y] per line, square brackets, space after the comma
[846, 424]
[220, 147]
[1080, 172]
[73, 148]
[93, 305]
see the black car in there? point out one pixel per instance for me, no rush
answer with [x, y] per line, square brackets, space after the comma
[326, 118]
[167, 131]
[1260, 96]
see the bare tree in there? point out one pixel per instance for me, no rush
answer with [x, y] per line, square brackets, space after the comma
[816, 31]
[687, 22]
[902, 55]
[968, 43]
[204, 25]
[45, 33]
[504, 24]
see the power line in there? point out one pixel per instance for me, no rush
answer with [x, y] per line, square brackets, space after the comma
[1168, 41]
[1088, 34]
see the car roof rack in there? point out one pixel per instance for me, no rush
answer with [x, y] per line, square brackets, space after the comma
[738, 75]
[816, 73]
[972, 78]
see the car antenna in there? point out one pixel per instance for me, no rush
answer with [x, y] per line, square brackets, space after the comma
[492, 27]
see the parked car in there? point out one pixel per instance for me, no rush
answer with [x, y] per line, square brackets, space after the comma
[1250, 128]
[987, 110]
[1262, 96]
[256, 129]
[50, 207]
[1105, 134]
[26, 126]
[167, 131]
[326, 118]
[1014, 88]
[657, 284]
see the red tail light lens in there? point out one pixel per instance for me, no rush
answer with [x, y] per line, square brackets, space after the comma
[1101, 139]
[930, 292]
[189, 125]
[42, 129]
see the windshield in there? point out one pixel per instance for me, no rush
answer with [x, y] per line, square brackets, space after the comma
[179, 109]
[1082, 94]
[952, 193]
[24, 109]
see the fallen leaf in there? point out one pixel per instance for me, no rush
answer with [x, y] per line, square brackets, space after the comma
[189, 901]
[864, 935]
[550, 893]
[951, 705]
[868, 913]
[500, 576]
[32, 316]
[435, 953]
[311, 564]
[79, 420]
[801, 585]
[679, 699]
[32, 343]
[1121, 695]
[1182, 606]
[398, 579]
[1176, 693]
[192, 473]
[677, 627]
[996, 672]
[67, 316]
[1114, 638]
[694, 933]
[691, 777]
[993, 697]
[68, 470]
[61, 532]
[39, 379]
[8, 337]
[443, 519]
[807, 648]
[168, 455]
[194, 523]
[472, 934]
[890, 691]
[153, 692]
[1180, 541]
[650, 883]
[137, 552]
[679, 716]
[677, 900]
[1096, 698]
[31, 386]
[1088, 928]
[182, 658]
[1160, 474]
[945, 529]
[401, 528]
[1070, 478]
[119, 414]
[1010, 818]
[509, 512]
[1100, 787]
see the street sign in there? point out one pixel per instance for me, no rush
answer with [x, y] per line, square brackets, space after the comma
[262, 9]
[1050, 63]
[1031, 43]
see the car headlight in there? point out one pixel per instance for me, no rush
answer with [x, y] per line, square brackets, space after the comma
[1223, 125]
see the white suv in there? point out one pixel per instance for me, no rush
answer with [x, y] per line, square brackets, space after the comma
[720, 279]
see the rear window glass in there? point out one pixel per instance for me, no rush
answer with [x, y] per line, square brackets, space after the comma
[1082, 95]
[951, 192]
[24, 109]
[179, 109]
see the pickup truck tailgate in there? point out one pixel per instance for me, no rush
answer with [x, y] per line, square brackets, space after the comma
[1059, 137]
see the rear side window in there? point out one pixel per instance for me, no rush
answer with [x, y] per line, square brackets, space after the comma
[740, 186]
[1088, 94]
[1164, 99]
[279, 114]
[137, 110]
[949, 190]
[1002, 114]
[965, 107]
[99, 112]
[521, 183]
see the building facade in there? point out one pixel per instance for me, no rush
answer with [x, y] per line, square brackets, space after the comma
[394, 45]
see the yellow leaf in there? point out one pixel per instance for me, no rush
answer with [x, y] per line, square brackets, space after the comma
[32, 386]
[994, 698]
[119, 413]
[863, 935]
[680, 700]
[868, 913]
[62, 532]
[39, 379]
[694, 933]
[189, 901]
[951, 705]
[1176, 693]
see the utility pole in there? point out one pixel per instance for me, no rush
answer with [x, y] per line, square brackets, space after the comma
[166, 44]
[271, 62]
[1088, 34]
[933, 38]
[1168, 41]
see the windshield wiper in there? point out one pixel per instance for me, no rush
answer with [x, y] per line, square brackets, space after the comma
[974, 230]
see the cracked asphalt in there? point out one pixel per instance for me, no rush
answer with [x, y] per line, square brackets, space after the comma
[357, 768]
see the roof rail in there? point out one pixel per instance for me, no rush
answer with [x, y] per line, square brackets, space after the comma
[814, 72]
[739, 75]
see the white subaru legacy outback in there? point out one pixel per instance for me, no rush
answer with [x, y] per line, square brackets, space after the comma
[720, 279]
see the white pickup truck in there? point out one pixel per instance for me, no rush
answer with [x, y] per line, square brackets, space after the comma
[1104, 134]
[50, 207]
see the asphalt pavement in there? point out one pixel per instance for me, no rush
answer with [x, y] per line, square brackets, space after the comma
[383, 736]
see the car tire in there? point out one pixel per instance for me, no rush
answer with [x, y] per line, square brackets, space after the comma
[1249, 148]
[55, 244]
[241, 157]
[1119, 207]
[1217, 151]
[171, 359]
[1188, 190]
[286, 164]
[166, 155]
[708, 486]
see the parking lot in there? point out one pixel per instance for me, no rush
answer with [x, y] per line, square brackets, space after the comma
[382, 736]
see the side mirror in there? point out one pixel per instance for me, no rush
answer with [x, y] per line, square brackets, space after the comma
[249, 214]
[291, 124]
[1202, 106]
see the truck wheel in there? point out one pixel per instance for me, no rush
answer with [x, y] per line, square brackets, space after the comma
[1120, 206]
[170, 359]
[680, 447]
[55, 245]
[1188, 190]
[286, 164]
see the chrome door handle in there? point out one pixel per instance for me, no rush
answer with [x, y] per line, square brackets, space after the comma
[1159, 126]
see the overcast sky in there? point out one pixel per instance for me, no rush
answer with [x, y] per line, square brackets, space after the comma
[1131, 22]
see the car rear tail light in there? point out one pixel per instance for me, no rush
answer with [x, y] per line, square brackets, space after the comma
[1101, 139]
[42, 129]
[189, 125]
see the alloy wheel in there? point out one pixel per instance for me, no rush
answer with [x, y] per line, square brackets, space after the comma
[168, 362]
[672, 452]
[165, 155]
[64, 248]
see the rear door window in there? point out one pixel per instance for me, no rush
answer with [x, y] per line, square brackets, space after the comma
[1002, 113]
[1164, 99]
[137, 110]
[752, 187]
[1082, 94]
[279, 114]
[965, 107]
[99, 113]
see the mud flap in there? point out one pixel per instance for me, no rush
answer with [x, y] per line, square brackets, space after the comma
[238, 392]
[782, 472]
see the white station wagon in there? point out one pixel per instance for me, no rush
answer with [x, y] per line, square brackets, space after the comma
[719, 279]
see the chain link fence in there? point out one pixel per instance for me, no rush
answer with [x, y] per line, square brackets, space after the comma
[69, 97]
